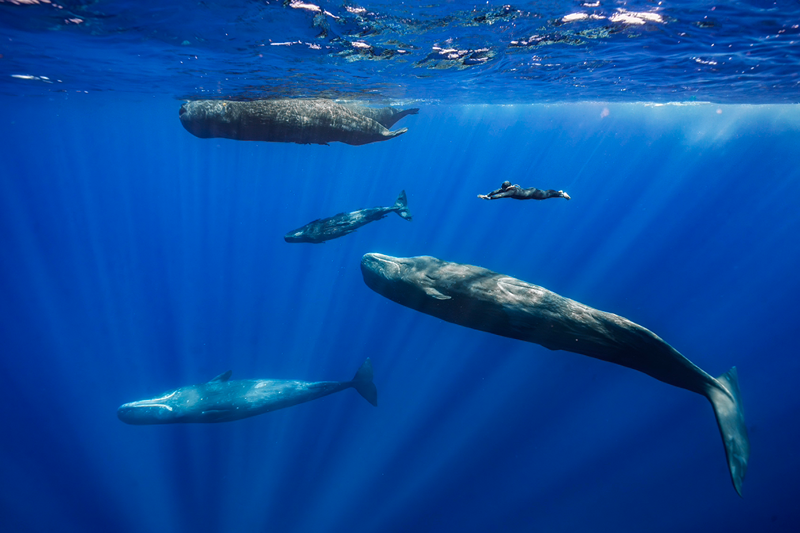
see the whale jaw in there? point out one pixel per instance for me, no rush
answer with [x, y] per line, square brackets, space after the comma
[147, 412]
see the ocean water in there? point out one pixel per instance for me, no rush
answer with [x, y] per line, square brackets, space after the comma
[137, 258]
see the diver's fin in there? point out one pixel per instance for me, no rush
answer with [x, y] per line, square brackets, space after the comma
[222, 378]
[401, 204]
[362, 382]
[727, 403]
[433, 293]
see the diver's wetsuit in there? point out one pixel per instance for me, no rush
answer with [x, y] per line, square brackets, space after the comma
[518, 193]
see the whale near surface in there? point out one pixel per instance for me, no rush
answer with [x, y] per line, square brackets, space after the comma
[222, 400]
[481, 299]
[291, 120]
[321, 230]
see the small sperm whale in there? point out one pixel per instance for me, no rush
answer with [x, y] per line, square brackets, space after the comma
[302, 121]
[221, 400]
[480, 299]
[325, 229]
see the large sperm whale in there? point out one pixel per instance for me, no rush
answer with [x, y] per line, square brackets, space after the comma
[291, 120]
[222, 400]
[478, 298]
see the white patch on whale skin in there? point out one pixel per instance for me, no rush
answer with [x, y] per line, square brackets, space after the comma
[357, 216]
[433, 293]
[152, 402]
[167, 397]
[158, 405]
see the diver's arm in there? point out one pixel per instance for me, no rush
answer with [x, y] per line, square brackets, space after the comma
[509, 192]
[491, 195]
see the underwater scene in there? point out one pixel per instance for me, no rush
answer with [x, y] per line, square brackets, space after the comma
[349, 267]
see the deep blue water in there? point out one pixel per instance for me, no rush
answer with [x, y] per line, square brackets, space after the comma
[137, 258]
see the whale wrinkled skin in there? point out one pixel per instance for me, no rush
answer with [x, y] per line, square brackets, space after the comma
[481, 299]
[221, 400]
[292, 120]
[386, 116]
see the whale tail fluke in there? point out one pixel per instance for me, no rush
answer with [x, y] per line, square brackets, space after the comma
[401, 204]
[405, 113]
[389, 121]
[362, 382]
[727, 403]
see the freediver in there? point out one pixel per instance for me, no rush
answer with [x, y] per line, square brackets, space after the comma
[516, 192]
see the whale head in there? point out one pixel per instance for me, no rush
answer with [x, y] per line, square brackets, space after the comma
[207, 118]
[297, 236]
[161, 410]
[195, 403]
[410, 281]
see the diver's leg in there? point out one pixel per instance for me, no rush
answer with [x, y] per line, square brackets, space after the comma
[550, 193]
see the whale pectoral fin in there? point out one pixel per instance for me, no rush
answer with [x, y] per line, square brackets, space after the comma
[433, 293]
[222, 378]
[391, 134]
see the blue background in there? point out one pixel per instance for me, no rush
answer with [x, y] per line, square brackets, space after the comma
[137, 258]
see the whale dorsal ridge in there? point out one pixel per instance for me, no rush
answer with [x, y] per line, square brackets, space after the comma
[222, 378]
